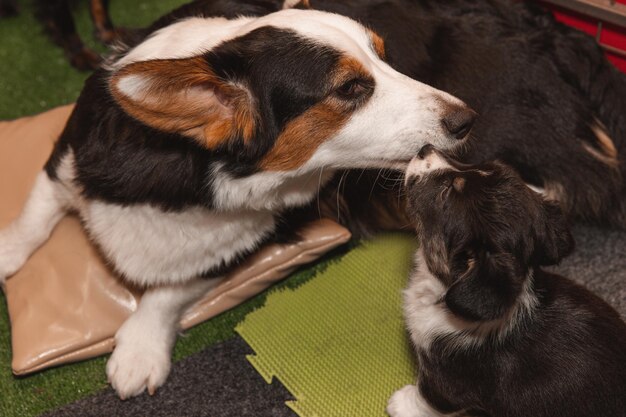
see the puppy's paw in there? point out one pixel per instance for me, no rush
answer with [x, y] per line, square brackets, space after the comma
[142, 357]
[404, 403]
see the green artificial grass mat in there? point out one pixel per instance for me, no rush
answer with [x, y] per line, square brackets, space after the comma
[44, 391]
[338, 344]
[34, 73]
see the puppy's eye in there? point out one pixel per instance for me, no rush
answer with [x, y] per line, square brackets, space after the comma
[351, 89]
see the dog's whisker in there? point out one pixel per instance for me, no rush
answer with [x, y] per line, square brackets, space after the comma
[319, 189]
[339, 191]
[374, 183]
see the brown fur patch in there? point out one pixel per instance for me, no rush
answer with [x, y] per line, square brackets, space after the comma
[378, 43]
[303, 135]
[184, 96]
[606, 151]
[304, 4]
[554, 191]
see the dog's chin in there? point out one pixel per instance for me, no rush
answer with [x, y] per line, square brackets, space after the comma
[397, 164]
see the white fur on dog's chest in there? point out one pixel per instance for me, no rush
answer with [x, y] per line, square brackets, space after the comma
[150, 246]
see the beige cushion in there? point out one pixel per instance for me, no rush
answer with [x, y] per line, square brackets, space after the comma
[65, 305]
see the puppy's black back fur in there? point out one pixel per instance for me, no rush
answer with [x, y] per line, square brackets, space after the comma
[567, 360]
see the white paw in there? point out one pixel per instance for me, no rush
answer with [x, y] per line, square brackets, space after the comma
[142, 356]
[404, 403]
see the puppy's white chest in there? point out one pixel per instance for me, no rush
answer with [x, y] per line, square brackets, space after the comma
[151, 246]
[424, 309]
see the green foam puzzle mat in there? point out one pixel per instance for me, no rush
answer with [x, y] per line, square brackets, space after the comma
[338, 343]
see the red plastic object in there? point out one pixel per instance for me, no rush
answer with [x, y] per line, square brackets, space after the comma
[610, 35]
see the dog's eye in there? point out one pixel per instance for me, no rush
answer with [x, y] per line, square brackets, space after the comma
[351, 89]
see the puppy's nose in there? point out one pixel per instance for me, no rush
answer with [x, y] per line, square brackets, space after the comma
[425, 151]
[459, 121]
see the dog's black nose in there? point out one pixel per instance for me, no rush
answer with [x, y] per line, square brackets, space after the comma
[459, 121]
[425, 151]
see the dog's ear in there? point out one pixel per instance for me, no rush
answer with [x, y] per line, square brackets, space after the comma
[184, 96]
[487, 290]
[554, 241]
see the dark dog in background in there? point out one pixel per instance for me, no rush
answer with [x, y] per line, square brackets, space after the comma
[551, 106]
[56, 17]
[494, 333]
[8, 8]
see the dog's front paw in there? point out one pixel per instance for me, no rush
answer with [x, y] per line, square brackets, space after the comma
[404, 403]
[141, 359]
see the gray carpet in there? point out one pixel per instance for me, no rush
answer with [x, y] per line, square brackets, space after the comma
[599, 263]
[219, 382]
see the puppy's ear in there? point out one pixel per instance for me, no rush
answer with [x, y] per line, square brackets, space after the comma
[487, 290]
[184, 96]
[554, 241]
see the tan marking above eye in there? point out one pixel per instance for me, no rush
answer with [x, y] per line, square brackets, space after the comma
[607, 153]
[378, 43]
[349, 68]
[458, 184]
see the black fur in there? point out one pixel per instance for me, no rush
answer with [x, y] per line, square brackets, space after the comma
[564, 358]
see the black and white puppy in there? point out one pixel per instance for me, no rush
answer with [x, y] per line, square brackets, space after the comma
[182, 155]
[495, 334]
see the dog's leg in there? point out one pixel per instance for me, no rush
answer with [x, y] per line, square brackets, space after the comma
[104, 29]
[45, 206]
[8, 8]
[143, 345]
[409, 402]
[59, 23]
